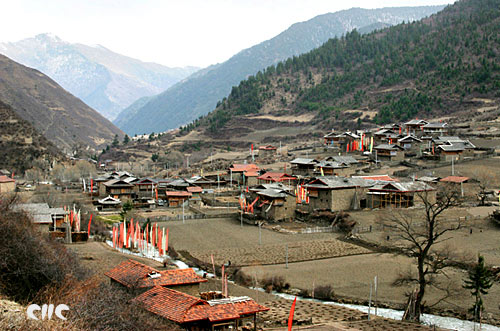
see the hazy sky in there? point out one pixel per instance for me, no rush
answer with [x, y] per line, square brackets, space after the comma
[173, 33]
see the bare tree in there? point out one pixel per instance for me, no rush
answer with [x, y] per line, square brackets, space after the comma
[418, 235]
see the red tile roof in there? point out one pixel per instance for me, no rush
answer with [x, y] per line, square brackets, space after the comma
[244, 167]
[5, 179]
[455, 179]
[268, 148]
[134, 274]
[168, 303]
[183, 308]
[276, 176]
[194, 189]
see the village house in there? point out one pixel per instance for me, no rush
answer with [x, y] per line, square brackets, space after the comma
[303, 166]
[44, 217]
[343, 140]
[277, 177]
[415, 127]
[177, 198]
[275, 203]
[244, 174]
[108, 204]
[138, 277]
[267, 151]
[7, 184]
[395, 128]
[195, 198]
[331, 193]
[452, 147]
[193, 313]
[410, 143]
[118, 189]
[389, 152]
[329, 138]
[145, 188]
[434, 129]
[399, 195]
[333, 168]
[203, 182]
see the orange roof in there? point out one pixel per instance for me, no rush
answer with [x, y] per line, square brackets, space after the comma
[386, 178]
[135, 274]
[268, 148]
[251, 173]
[184, 308]
[194, 189]
[5, 179]
[455, 179]
[244, 167]
[177, 194]
[167, 303]
[276, 176]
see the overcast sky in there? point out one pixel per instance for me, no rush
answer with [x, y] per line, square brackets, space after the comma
[173, 33]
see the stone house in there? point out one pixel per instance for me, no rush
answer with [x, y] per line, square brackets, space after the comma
[267, 151]
[7, 184]
[331, 193]
[242, 173]
[275, 204]
[389, 152]
[303, 166]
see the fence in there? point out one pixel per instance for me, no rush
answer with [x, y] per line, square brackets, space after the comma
[465, 220]
[319, 229]
[190, 217]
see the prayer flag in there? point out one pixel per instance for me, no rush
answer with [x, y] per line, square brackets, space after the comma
[290, 317]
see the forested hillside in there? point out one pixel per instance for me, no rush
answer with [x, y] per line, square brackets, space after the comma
[198, 94]
[434, 67]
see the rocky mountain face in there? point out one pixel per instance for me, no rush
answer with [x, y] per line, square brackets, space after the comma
[104, 80]
[198, 94]
[56, 114]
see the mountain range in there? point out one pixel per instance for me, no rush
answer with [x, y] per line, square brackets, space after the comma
[103, 79]
[198, 94]
[55, 113]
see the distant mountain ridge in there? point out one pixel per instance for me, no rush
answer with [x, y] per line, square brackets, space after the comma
[445, 66]
[104, 80]
[61, 117]
[198, 94]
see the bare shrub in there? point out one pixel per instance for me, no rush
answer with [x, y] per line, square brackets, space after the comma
[29, 261]
[323, 292]
[274, 283]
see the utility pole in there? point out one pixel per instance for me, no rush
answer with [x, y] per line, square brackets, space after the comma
[453, 166]
[260, 233]
[286, 259]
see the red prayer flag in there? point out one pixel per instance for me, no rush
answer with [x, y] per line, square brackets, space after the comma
[290, 318]
[90, 221]
[91, 186]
